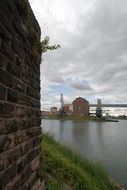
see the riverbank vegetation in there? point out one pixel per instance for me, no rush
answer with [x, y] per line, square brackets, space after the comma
[75, 118]
[67, 170]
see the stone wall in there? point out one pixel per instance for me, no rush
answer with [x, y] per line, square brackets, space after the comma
[20, 131]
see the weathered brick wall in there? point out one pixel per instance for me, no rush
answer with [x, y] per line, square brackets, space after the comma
[20, 132]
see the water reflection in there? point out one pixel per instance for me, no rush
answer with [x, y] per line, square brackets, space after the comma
[98, 141]
[61, 128]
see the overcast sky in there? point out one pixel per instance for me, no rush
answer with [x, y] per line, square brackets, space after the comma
[92, 60]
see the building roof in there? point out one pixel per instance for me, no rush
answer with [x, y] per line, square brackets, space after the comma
[80, 98]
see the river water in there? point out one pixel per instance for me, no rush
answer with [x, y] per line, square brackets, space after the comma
[104, 142]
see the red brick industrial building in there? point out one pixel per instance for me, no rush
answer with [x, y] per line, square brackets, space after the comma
[80, 107]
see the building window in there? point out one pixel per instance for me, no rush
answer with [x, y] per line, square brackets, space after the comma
[79, 108]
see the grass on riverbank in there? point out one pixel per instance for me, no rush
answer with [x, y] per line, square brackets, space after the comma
[68, 168]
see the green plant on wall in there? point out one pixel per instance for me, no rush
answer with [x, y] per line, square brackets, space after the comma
[40, 46]
[45, 45]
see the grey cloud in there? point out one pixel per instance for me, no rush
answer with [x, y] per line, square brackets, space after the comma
[81, 86]
[56, 79]
[93, 48]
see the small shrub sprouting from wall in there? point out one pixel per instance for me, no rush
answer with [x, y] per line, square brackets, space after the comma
[40, 46]
[37, 45]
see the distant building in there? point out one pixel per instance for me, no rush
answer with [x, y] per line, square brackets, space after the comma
[53, 110]
[80, 107]
[68, 109]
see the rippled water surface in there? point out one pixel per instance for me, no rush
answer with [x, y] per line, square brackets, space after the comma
[104, 142]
